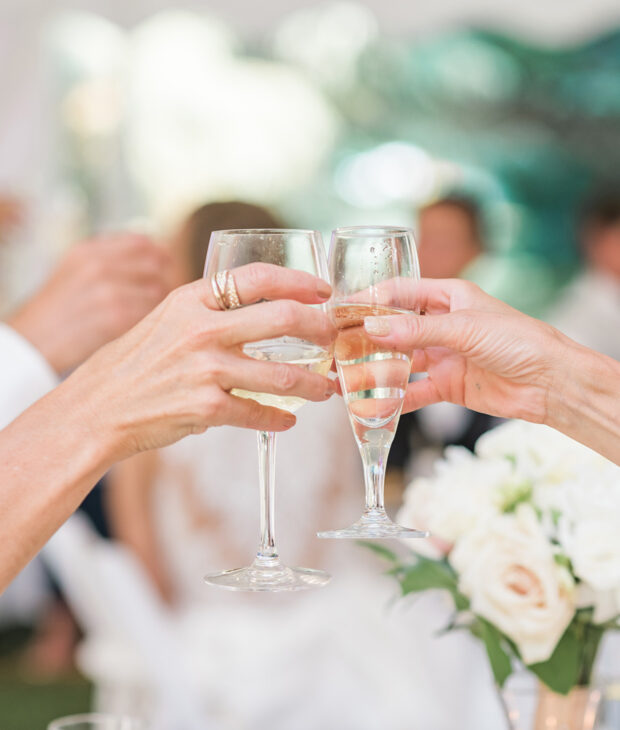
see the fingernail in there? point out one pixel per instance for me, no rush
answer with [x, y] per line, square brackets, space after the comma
[323, 289]
[331, 389]
[377, 325]
[290, 421]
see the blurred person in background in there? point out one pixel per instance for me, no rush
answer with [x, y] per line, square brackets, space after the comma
[588, 311]
[450, 240]
[191, 508]
[98, 290]
[450, 237]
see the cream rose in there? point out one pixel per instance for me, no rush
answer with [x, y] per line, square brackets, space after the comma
[417, 511]
[594, 549]
[508, 572]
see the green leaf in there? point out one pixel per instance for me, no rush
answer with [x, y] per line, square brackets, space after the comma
[563, 561]
[499, 658]
[379, 550]
[561, 671]
[426, 574]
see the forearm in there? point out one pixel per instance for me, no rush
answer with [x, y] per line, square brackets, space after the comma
[584, 402]
[50, 457]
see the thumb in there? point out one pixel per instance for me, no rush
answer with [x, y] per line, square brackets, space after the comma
[415, 331]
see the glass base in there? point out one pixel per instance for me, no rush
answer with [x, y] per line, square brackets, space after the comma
[373, 525]
[268, 575]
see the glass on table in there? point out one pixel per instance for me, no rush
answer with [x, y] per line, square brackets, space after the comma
[96, 721]
[373, 272]
[293, 249]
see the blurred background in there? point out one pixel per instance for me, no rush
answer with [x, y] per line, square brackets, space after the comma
[132, 114]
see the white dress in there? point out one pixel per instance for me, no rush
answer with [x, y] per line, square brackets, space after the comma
[588, 311]
[347, 656]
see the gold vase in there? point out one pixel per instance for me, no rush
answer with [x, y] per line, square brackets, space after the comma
[578, 710]
[529, 705]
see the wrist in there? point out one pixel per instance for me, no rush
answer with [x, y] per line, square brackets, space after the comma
[583, 398]
[86, 422]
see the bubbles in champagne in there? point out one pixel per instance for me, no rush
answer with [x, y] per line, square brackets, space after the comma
[374, 379]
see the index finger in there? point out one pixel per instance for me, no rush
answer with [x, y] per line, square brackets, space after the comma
[259, 281]
[432, 296]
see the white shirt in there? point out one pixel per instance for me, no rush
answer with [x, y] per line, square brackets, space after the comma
[25, 375]
[589, 312]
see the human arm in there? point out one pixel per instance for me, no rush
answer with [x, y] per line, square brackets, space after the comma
[166, 378]
[100, 289]
[483, 354]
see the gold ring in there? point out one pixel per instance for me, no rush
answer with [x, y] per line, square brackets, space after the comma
[225, 290]
[217, 293]
[231, 293]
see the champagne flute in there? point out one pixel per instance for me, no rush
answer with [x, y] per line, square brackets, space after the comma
[294, 249]
[373, 273]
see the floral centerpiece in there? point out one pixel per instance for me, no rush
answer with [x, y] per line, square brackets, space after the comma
[526, 540]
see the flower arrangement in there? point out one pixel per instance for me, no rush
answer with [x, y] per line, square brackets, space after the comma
[526, 539]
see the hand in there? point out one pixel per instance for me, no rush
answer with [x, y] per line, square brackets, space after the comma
[100, 289]
[171, 374]
[477, 351]
[11, 213]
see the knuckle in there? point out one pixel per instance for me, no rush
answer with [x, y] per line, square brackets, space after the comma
[254, 414]
[179, 296]
[214, 368]
[259, 276]
[215, 401]
[285, 377]
[287, 314]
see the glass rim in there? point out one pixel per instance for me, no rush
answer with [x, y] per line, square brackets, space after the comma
[237, 231]
[368, 231]
[93, 717]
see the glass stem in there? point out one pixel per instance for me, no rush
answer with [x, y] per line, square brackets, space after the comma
[374, 459]
[267, 553]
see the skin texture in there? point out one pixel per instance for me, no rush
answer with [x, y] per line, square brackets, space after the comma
[100, 289]
[166, 378]
[483, 354]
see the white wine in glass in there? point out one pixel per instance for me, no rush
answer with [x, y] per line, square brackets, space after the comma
[373, 273]
[294, 249]
[290, 350]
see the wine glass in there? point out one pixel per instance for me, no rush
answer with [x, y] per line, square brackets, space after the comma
[95, 721]
[293, 249]
[373, 273]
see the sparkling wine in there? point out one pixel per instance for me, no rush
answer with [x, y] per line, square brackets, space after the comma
[373, 378]
[311, 357]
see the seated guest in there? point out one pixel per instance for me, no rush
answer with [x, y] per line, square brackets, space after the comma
[589, 309]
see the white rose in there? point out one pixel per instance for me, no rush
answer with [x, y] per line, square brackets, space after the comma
[466, 492]
[417, 510]
[594, 549]
[541, 454]
[507, 570]
[606, 604]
